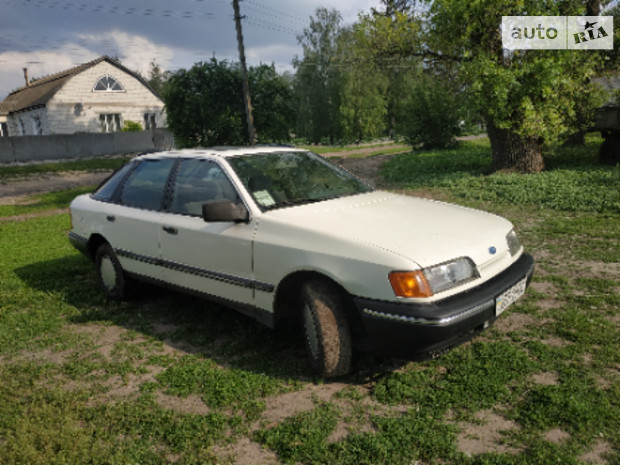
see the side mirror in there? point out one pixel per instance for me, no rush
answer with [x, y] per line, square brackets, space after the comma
[224, 211]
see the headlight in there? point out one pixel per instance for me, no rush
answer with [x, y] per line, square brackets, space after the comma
[514, 246]
[430, 281]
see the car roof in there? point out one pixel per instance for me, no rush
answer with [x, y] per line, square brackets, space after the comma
[220, 152]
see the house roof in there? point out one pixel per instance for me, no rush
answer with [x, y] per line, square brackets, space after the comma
[4, 109]
[41, 91]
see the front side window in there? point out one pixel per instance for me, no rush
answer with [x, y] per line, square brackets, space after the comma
[145, 186]
[108, 84]
[110, 122]
[200, 181]
[283, 179]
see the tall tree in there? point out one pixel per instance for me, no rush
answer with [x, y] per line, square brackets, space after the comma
[318, 83]
[527, 97]
[391, 42]
[363, 106]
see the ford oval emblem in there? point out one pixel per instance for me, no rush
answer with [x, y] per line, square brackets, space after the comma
[492, 250]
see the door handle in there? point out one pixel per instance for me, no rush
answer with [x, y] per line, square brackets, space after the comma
[171, 230]
[111, 218]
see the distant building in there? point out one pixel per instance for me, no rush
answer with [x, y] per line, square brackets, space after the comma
[98, 96]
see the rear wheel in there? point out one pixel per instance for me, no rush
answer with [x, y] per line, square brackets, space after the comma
[112, 279]
[326, 328]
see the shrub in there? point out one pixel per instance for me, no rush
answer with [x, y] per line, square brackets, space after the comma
[131, 126]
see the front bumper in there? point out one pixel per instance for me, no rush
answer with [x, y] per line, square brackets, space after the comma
[422, 331]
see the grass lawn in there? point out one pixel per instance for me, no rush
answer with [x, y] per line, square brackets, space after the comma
[166, 378]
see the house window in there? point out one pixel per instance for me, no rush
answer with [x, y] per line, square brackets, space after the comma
[108, 84]
[150, 121]
[37, 127]
[110, 122]
[4, 130]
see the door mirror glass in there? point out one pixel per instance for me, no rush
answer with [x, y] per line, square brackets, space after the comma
[224, 211]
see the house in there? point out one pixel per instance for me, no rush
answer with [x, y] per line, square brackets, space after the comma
[99, 96]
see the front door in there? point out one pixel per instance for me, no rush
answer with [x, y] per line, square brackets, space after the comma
[211, 258]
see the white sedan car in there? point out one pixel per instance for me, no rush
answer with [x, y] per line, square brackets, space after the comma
[280, 233]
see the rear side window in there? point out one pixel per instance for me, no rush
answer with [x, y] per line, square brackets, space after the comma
[146, 185]
[107, 189]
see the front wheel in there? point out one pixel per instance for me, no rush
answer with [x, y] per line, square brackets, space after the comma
[326, 328]
[112, 279]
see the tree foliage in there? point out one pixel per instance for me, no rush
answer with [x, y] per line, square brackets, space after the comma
[430, 113]
[319, 78]
[273, 104]
[205, 105]
[364, 104]
[529, 98]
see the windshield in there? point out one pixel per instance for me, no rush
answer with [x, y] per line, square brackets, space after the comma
[293, 178]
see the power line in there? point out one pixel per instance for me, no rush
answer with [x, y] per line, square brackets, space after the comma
[273, 12]
[269, 25]
[114, 9]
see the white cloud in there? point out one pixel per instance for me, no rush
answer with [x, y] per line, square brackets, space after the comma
[39, 64]
[280, 54]
[135, 52]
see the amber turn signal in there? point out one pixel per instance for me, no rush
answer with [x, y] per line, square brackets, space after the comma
[410, 284]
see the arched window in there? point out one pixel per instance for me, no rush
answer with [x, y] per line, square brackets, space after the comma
[108, 84]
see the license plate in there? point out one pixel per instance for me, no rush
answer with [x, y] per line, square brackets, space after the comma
[507, 298]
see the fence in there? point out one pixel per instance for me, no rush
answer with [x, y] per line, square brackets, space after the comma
[84, 145]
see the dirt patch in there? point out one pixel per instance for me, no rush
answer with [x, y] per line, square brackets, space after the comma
[245, 452]
[557, 436]
[277, 408]
[555, 342]
[367, 169]
[547, 378]
[486, 434]
[191, 404]
[513, 322]
[597, 453]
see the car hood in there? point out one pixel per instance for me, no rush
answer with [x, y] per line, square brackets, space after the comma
[424, 231]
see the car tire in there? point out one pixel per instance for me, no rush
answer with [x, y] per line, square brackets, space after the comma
[326, 329]
[111, 276]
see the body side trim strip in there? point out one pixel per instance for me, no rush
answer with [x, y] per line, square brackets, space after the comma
[226, 278]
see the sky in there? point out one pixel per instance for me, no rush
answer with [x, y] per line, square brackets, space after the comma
[48, 36]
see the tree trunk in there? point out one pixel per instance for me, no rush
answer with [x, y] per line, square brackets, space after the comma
[512, 152]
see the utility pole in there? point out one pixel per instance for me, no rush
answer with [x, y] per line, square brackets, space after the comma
[244, 76]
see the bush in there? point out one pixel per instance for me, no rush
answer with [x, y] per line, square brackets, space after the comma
[131, 126]
[430, 116]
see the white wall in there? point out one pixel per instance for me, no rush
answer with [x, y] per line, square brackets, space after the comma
[76, 107]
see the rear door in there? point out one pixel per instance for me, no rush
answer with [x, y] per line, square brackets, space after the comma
[132, 226]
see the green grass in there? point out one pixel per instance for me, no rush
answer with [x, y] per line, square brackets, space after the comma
[167, 378]
[382, 148]
[94, 164]
[574, 181]
[43, 202]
